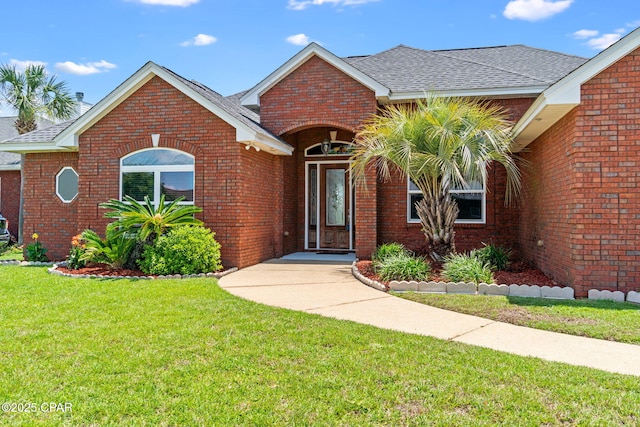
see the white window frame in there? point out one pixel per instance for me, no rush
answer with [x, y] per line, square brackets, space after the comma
[157, 170]
[66, 168]
[483, 213]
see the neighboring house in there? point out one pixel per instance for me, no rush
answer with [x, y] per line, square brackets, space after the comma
[10, 165]
[256, 163]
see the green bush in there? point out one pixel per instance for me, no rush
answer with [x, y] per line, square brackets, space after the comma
[498, 257]
[404, 267]
[113, 250]
[466, 268]
[388, 250]
[183, 250]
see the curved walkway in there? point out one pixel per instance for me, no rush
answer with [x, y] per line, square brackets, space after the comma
[329, 289]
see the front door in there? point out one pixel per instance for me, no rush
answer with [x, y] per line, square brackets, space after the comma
[329, 222]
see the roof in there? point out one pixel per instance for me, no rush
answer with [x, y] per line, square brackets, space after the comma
[64, 137]
[565, 94]
[407, 70]
[11, 161]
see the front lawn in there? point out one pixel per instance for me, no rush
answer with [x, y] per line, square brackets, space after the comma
[185, 352]
[11, 254]
[606, 320]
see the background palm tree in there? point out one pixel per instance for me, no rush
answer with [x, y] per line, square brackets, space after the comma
[439, 143]
[33, 94]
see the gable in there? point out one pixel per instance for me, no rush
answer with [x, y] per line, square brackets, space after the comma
[252, 99]
[316, 93]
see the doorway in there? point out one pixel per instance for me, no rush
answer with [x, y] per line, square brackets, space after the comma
[329, 203]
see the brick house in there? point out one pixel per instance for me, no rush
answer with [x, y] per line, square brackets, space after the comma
[270, 166]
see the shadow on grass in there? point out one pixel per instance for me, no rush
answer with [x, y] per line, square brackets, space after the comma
[579, 303]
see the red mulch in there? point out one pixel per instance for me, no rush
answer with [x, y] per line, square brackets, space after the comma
[519, 273]
[102, 270]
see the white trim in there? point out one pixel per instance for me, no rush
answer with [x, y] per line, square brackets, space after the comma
[351, 214]
[502, 93]
[58, 184]
[35, 147]
[10, 168]
[561, 97]
[252, 97]
[157, 170]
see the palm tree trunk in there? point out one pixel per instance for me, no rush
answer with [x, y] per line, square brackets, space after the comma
[438, 214]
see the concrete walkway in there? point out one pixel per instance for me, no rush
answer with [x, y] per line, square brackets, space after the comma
[329, 289]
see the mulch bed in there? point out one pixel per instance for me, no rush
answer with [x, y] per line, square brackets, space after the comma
[103, 270]
[519, 272]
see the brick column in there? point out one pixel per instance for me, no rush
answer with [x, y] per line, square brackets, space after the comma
[366, 231]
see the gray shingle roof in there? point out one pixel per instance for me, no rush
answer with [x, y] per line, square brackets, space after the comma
[41, 135]
[406, 69]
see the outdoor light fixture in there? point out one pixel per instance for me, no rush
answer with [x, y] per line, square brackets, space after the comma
[326, 143]
[248, 146]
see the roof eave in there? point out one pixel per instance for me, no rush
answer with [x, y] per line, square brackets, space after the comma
[264, 142]
[564, 95]
[34, 147]
[512, 92]
[252, 97]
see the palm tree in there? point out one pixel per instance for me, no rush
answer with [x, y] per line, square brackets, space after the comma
[32, 94]
[439, 143]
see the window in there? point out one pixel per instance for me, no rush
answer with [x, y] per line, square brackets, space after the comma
[155, 172]
[67, 184]
[471, 202]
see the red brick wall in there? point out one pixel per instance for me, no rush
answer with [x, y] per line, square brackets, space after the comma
[586, 204]
[10, 198]
[228, 185]
[44, 213]
[547, 211]
[316, 94]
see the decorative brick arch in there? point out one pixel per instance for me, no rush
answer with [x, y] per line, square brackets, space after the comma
[146, 143]
[302, 125]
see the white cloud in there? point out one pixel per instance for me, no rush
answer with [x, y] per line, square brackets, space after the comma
[22, 65]
[303, 4]
[585, 34]
[299, 39]
[200, 40]
[534, 10]
[84, 69]
[604, 41]
[181, 3]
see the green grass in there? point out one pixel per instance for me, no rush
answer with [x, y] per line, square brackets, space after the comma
[185, 352]
[12, 253]
[606, 320]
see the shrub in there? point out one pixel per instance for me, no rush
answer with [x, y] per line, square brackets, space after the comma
[388, 250]
[466, 268]
[183, 250]
[35, 251]
[113, 250]
[404, 267]
[497, 257]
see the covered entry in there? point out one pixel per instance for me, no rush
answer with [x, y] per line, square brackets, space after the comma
[329, 204]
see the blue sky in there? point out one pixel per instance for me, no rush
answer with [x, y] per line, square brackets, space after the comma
[231, 45]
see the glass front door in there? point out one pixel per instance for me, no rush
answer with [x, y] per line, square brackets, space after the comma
[329, 207]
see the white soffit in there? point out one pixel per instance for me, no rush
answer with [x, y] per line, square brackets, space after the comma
[252, 97]
[564, 95]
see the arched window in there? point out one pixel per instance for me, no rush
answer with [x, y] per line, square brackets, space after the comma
[157, 171]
